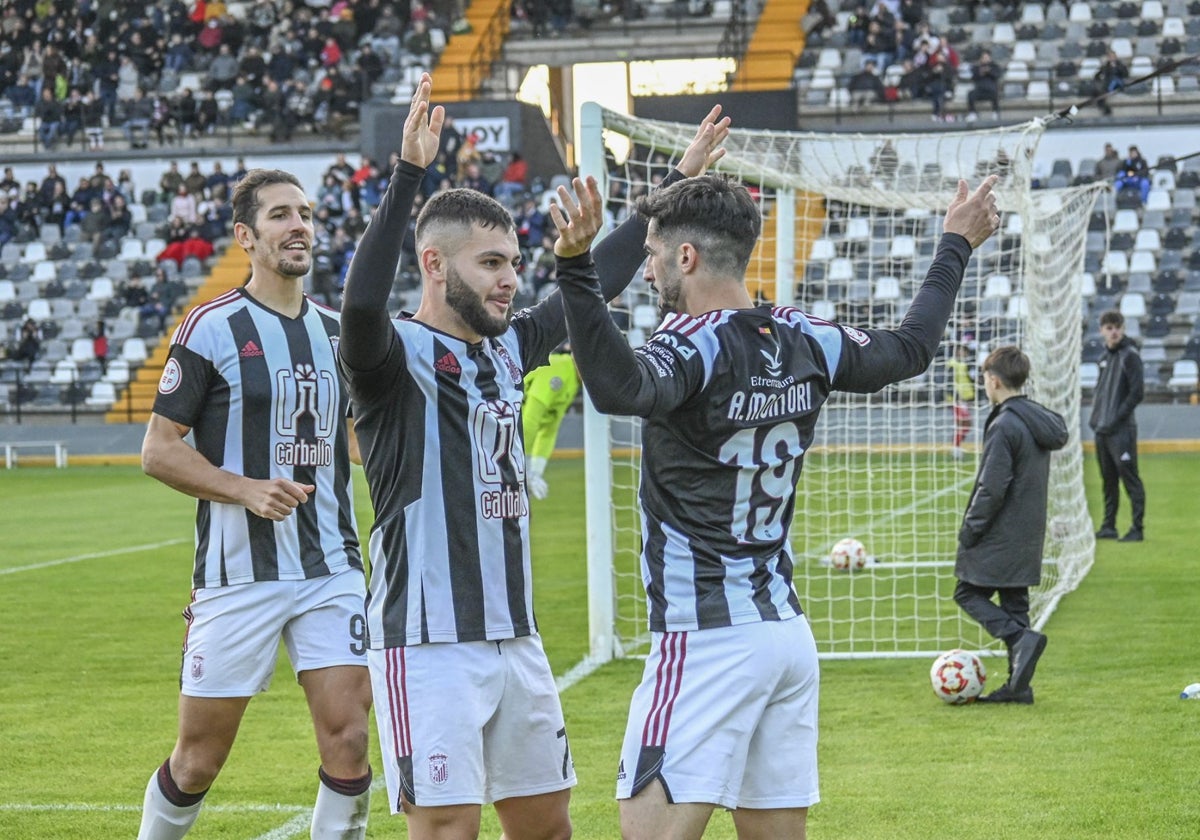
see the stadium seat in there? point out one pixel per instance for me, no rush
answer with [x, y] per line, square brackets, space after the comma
[1189, 305]
[1185, 375]
[1115, 262]
[1017, 71]
[1122, 47]
[841, 270]
[82, 351]
[824, 310]
[887, 288]
[1133, 305]
[1003, 33]
[1039, 91]
[1024, 51]
[1173, 27]
[903, 248]
[65, 372]
[1087, 284]
[645, 316]
[1089, 375]
[8, 291]
[44, 272]
[102, 395]
[1152, 10]
[118, 372]
[1018, 308]
[997, 286]
[1147, 240]
[134, 350]
[1143, 261]
[101, 289]
[1126, 221]
[1081, 12]
[35, 252]
[823, 250]
[39, 310]
[1032, 13]
[131, 250]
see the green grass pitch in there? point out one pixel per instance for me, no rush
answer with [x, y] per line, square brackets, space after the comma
[94, 570]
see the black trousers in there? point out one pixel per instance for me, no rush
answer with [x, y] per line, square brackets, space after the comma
[1007, 620]
[1117, 454]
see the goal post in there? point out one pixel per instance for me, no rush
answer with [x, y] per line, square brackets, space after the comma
[850, 224]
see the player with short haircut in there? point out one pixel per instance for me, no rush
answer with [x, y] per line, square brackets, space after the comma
[1003, 530]
[253, 376]
[437, 401]
[726, 714]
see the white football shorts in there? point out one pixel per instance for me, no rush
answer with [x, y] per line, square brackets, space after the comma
[233, 632]
[467, 723]
[727, 716]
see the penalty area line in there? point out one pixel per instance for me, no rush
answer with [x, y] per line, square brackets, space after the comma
[94, 555]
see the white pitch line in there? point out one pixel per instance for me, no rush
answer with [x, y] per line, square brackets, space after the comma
[299, 824]
[83, 806]
[296, 825]
[94, 556]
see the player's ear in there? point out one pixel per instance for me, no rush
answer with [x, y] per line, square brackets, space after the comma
[433, 262]
[688, 257]
[243, 235]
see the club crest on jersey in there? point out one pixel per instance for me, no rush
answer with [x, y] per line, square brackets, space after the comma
[774, 363]
[513, 370]
[197, 667]
[857, 336]
[439, 769]
[172, 376]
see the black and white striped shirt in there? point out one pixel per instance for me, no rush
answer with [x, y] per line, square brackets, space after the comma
[263, 397]
[731, 400]
[439, 425]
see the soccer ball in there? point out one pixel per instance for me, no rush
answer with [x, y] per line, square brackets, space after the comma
[848, 555]
[958, 677]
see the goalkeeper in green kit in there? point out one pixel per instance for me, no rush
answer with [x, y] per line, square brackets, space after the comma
[549, 392]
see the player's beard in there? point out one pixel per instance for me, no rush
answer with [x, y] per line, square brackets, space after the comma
[668, 297]
[469, 306]
[294, 263]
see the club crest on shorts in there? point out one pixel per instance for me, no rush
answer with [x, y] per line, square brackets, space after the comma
[438, 769]
[197, 667]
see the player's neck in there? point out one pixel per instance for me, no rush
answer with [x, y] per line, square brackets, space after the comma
[445, 320]
[712, 294]
[277, 292]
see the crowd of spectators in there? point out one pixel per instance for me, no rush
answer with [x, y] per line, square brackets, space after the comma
[277, 64]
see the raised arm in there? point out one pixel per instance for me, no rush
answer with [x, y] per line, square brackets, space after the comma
[366, 327]
[889, 356]
[618, 380]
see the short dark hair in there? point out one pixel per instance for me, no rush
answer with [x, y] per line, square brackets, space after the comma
[1112, 316]
[714, 213]
[245, 194]
[463, 207]
[1009, 365]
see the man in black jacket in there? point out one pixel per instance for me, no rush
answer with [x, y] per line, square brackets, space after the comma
[1003, 530]
[1118, 392]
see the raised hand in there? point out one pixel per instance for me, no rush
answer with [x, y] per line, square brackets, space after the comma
[578, 218]
[974, 218]
[705, 148]
[422, 127]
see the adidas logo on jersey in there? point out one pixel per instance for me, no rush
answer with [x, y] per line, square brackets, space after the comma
[448, 364]
[250, 350]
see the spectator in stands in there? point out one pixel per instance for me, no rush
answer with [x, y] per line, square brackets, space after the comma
[215, 216]
[334, 103]
[100, 345]
[1109, 165]
[9, 185]
[127, 78]
[223, 70]
[818, 19]
[183, 205]
[1134, 174]
[23, 96]
[8, 220]
[133, 293]
[217, 182]
[369, 66]
[253, 66]
[865, 86]
[92, 113]
[125, 186]
[195, 181]
[28, 344]
[52, 183]
[1109, 78]
[512, 180]
[472, 178]
[170, 182]
[54, 208]
[49, 116]
[94, 224]
[120, 220]
[139, 115]
[178, 57]
[163, 121]
[879, 47]
[1119, 390]
[278, 111]
[81, 200]
[986, 76]
[938, 82]
[192, 245]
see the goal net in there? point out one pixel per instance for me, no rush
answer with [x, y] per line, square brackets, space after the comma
[850, 224]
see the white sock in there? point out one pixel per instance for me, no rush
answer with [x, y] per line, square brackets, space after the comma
[161, 819]
[341, 816]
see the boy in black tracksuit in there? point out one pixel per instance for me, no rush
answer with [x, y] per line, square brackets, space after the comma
[1118, 392]
[1001, 540]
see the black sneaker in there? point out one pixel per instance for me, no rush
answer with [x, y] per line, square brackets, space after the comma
[1107, 533]
[1005, 694]
[1134, 535]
